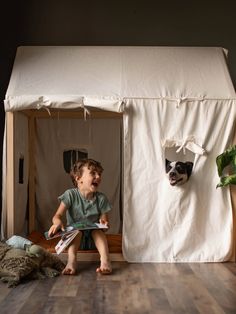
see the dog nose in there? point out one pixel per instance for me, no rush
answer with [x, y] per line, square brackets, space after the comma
[172, 174]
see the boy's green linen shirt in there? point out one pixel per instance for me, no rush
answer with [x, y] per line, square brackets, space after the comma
[83, 210]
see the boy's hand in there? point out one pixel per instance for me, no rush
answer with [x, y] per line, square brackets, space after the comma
[55, 228]
[104, 222]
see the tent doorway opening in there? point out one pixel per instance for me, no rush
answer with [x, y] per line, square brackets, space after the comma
[59, 142]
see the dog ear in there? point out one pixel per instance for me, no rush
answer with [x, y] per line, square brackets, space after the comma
[167, 164]
[189, 166]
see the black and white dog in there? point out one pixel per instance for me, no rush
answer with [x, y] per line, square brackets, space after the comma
[178, 172]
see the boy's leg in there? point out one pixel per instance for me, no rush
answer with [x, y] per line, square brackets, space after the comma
[100, 241]
[71, 265]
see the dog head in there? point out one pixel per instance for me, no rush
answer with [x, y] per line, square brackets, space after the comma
[178, 172]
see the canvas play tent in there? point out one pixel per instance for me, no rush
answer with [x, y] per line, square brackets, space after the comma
[131, 108]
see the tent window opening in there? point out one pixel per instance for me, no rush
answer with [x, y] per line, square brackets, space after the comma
[71, 156]
[182, 150]
[172, 154]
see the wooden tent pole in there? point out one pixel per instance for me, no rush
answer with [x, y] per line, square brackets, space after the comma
[10, 178]
[32, 206]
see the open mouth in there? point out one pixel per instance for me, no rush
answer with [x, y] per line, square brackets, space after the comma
[95, 184]
[174, 181]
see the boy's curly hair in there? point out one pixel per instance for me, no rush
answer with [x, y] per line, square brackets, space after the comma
[77, 169]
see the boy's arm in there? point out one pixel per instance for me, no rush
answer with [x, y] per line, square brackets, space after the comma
[57, 220]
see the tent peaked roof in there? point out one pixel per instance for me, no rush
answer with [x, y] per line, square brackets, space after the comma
[74, 72]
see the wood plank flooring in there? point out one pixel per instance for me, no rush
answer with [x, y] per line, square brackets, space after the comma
[131, 289]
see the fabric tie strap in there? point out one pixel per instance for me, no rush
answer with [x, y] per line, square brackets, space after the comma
[191, 145]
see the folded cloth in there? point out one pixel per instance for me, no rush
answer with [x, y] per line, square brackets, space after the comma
[18, 242]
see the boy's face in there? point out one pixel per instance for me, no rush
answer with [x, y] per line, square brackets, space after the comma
[90, 179]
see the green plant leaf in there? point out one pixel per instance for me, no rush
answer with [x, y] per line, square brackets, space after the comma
[224, 181]
[226, 158]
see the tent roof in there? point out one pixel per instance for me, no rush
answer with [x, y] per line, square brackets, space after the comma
[115, 73]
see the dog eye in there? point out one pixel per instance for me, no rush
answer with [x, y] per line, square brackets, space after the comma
[180, 169]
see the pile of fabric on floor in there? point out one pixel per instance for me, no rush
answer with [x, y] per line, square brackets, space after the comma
[22, 260]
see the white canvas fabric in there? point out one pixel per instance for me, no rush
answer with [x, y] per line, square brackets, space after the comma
[164, 223]
[177, 102]
[61, 77]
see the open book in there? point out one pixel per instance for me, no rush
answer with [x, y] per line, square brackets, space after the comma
[65, 241]
[71, 232]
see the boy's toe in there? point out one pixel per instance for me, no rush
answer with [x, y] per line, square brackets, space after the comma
[103, 271]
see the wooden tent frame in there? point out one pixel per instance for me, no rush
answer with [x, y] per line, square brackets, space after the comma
[10, 152]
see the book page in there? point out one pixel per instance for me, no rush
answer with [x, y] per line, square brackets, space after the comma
[65, 241]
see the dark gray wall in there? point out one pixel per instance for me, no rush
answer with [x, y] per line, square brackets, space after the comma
[132, 23]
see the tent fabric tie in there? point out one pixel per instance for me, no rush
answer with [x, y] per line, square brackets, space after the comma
[181, 100]
[86, 112]
[188, 143]
[42, 105]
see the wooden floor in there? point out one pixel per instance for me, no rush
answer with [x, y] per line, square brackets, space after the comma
[132, 288]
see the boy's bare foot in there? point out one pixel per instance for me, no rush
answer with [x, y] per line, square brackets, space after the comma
[105, 268]
[70, 268]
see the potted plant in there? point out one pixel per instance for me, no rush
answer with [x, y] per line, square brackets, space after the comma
[227, 159]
